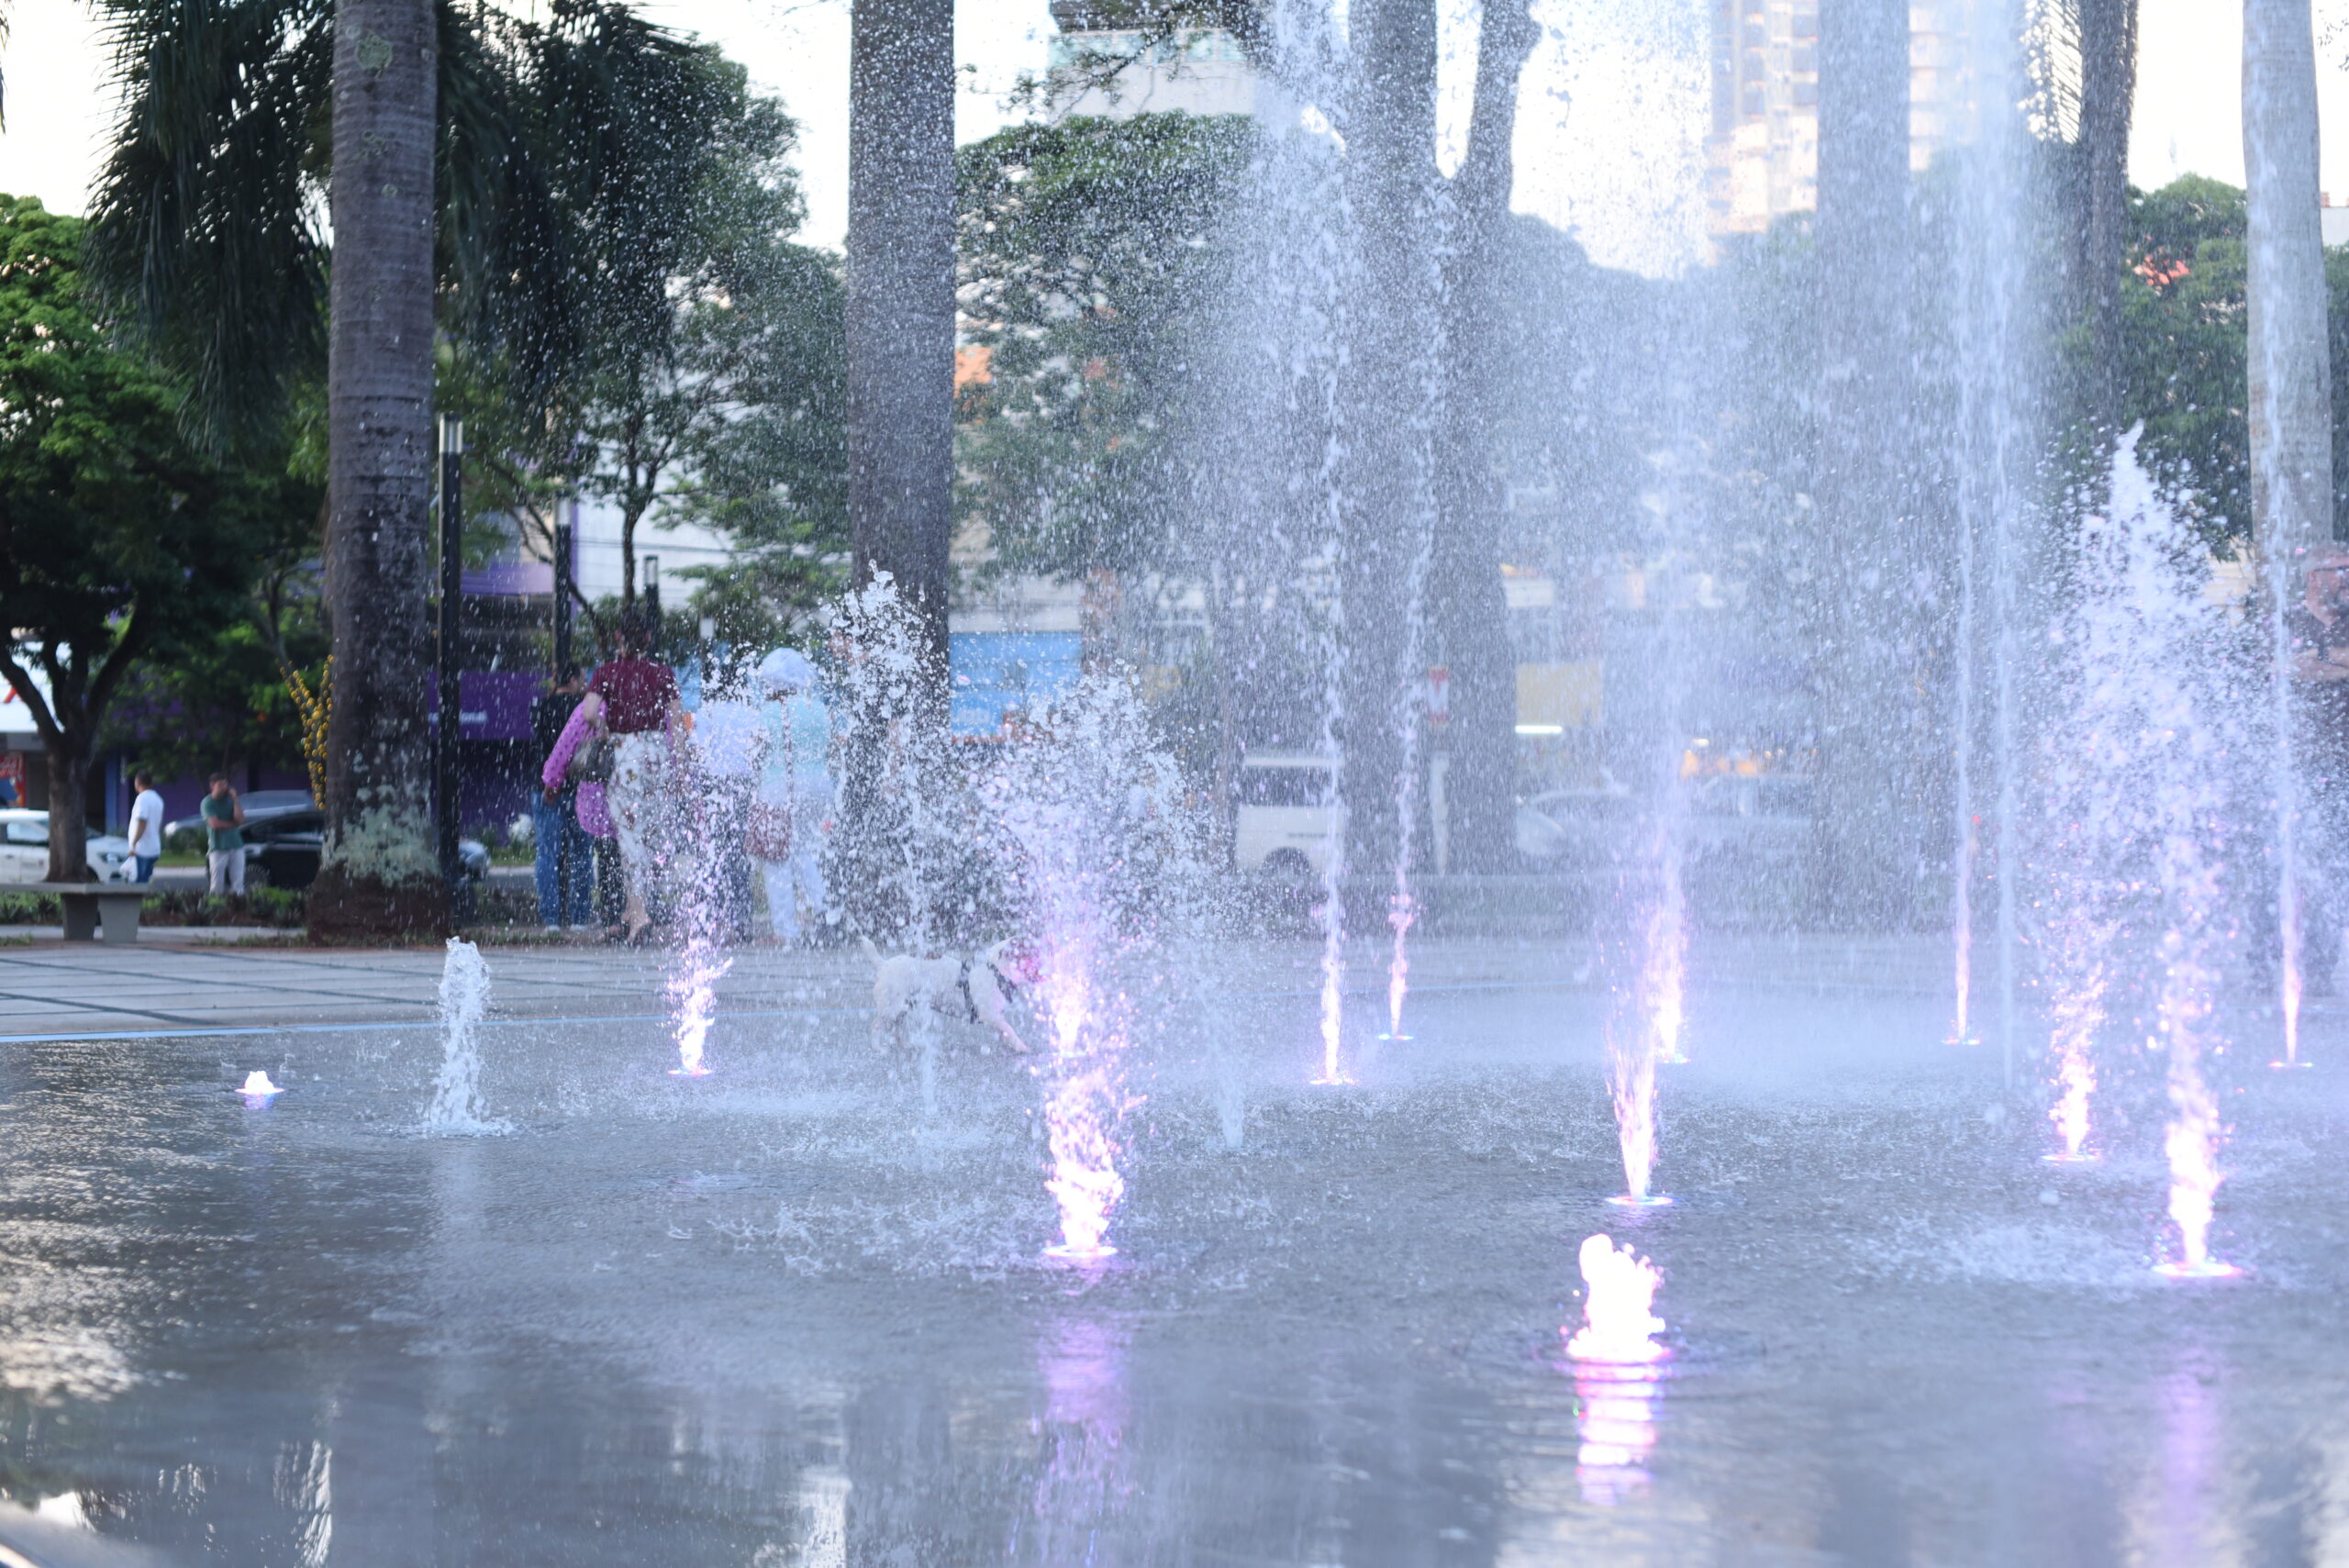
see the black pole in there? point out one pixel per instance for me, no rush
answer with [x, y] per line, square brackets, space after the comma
[563, 547]
[566, 845]
[446, 797]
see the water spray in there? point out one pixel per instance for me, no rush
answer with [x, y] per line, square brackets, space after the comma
[258, 1090]
[456, 1106]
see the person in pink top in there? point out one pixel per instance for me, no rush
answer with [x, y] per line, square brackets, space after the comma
[633, 703]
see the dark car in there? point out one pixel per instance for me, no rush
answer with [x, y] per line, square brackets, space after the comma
[282, 850]
[285, 848]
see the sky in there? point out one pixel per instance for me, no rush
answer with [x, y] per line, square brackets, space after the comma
[1610, 116]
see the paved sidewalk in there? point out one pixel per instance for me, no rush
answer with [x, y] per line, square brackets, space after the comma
[180, 980]
[53, 989]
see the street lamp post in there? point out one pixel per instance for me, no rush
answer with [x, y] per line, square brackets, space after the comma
[446, 793]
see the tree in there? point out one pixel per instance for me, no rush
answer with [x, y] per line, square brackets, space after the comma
[1092, 255]
[120, 541]
[901, 307]
[1466, 602]
[483, 155]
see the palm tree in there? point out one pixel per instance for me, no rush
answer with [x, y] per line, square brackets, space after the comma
[466, 157]
[901, 304]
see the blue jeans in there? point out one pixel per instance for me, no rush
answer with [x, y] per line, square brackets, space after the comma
[566, 876]
[142, 867]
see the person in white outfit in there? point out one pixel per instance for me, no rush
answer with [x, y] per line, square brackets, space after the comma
[795, 805]
[730, 739]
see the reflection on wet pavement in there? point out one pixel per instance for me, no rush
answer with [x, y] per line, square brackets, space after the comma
[782, 1317]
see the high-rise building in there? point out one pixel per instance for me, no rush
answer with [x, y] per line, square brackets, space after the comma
[1761, 157]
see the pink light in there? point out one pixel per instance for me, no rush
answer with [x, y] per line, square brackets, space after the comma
[1630, 1061]
[1080, 1114]
[1333, 974]
[1401, 910]
[2291, 967]
[1619, 1324]
[2077, 1017]
[1615, 1419]
[2191, 1140]
[693, 991]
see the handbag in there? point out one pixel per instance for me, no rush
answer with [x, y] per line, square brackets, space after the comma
[592, 764]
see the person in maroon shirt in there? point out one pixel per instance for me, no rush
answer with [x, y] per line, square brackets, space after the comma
[633, 701]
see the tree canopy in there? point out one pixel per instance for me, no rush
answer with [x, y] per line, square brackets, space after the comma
[120, 540]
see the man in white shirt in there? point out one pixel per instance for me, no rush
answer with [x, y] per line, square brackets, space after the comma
[146, 829]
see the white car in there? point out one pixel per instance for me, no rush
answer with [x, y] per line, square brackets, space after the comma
[1283, 820]
[24, 849]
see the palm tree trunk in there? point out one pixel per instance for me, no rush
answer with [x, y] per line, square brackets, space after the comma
[1466, 604]
[1863, 874]
[901, 304]
[1388, 401]
[379, 876]
[2291, 416]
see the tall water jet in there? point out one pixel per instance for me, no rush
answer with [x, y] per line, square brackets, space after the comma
[692, 990]
[2153, 651]
[1963, 840]
[2289, 375]
[456, 1107]
[1092, 866]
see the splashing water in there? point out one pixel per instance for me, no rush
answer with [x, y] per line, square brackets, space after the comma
[456, 1107]
[1098, 841]
[2156, 787]
[258, 1089]
[1631, 1082]
[693, 992]
[1400, 912]
[1619, 1324]
[1333, 947]
[2078, 1016]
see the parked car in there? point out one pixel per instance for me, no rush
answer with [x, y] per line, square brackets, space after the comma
[1282, 820]
[260, 806]
[1574, 829]
[283, 849]
[24, 849]
[1752, 821]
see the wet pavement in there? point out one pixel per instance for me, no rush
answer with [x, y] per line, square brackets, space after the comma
[796, 1313]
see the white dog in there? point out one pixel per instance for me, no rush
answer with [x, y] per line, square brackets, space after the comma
[978, 988]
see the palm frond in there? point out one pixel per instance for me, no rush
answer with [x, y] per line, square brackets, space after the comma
[206, 231]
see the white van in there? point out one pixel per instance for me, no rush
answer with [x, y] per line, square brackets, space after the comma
[1283, 822]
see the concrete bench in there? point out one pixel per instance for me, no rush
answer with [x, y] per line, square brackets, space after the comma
[88, 906]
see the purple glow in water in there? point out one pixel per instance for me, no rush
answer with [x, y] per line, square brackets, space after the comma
[1084, 1104]
[1401, 910]
[1082, 1428]
[693, 993]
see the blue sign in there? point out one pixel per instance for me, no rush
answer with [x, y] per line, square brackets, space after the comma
[997, 673]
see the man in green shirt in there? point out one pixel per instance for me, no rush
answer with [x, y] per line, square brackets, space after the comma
[224, 820]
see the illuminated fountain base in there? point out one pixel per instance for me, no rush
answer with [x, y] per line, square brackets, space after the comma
[2209, 1268]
